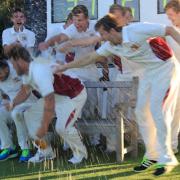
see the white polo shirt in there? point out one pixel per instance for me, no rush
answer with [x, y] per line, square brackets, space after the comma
[25, 37]
[40, 78]
[89, 72]
[135, 46]
[12, 84]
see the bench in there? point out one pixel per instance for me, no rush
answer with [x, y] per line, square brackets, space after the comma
[119, 119]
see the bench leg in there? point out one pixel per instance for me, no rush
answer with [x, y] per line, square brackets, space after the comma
[120, 140]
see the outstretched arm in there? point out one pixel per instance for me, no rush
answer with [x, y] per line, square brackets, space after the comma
[53, 41]
[171, 31]
[91, 58]
[66, 47]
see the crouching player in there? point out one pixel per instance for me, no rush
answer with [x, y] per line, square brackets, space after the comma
[63, 96]
[11, 84]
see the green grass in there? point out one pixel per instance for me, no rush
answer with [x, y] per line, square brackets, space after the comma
[99, 166]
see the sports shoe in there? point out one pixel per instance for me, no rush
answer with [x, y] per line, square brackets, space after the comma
[7, 154]
[163, 169]
[76, 159]
[25, 155]
[42, 155]
[145, 164]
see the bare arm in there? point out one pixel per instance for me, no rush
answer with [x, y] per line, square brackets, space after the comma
[91, 58]
[22, 95]
[170, 31]
[53, 41]
[66, 47]
[49, 111]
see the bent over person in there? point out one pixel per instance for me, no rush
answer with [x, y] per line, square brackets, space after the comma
[158, 87]
[63, 96]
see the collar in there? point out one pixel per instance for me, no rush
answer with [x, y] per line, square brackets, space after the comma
[14, 32]
[125, 38]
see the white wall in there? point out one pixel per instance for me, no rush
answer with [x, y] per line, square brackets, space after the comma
[148, 12]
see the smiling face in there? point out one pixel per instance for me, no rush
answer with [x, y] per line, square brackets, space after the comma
[81, 22]
[18, 20]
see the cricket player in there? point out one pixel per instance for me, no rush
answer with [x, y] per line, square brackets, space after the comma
[158, 87]
[61, 96]
[11, 84]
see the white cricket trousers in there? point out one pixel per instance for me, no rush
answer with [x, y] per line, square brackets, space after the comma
[157, 97]
[67, 111]
[8, 117]
[176, 125]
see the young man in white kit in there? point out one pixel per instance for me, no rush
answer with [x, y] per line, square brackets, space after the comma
[120, 72]
[63, 96]
[17, 34]
[172, 10]
[156, 100]
[82, 27]
[11, 84]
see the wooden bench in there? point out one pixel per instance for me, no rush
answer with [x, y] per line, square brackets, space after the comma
[118, 121]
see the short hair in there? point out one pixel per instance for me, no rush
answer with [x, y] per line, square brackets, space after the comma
[118, 7]
[80, 9]
[18, 51]
[69, 17]
[15, 10]
[173, 4]
[108, 22]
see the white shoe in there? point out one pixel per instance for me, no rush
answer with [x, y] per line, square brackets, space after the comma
[76, 159]
[42, 155]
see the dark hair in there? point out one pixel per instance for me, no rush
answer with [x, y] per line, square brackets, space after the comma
[174, 4]
[108, 22]
[80, 9]
[69, 17]
[19, 52]
[118, 7]
[15, 10]
[3, 64]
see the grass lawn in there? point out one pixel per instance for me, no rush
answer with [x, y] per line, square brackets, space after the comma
[99, 166]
